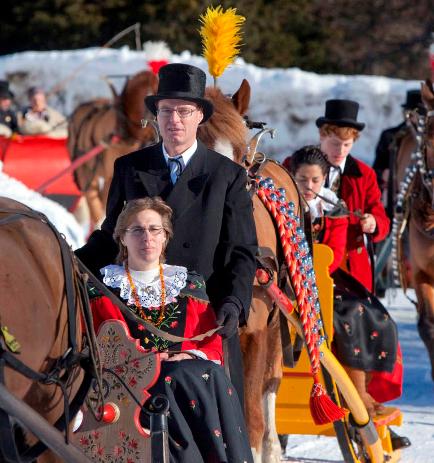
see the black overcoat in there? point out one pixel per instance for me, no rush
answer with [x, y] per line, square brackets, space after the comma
[214, 230]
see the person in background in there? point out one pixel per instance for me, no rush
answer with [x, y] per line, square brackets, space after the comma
[354, 182]
[388, 146]
[365, 338]
[206, 421]
[214, 230]
[40, 119]
[8, 117]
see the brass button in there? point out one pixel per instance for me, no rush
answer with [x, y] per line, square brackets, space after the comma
[359, 250]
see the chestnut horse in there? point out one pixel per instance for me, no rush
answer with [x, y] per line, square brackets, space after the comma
[96, 123]
[41, 303]
[421, 218]
[226, 131]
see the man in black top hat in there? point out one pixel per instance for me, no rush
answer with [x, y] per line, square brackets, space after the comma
[8, 117]
[214, 231]
[388, 145]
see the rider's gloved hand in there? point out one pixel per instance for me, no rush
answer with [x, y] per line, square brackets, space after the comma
[227, 315]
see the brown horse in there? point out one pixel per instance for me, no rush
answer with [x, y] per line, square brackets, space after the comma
[96, 123]
[421, 219]
[260, 339]
[34, 307]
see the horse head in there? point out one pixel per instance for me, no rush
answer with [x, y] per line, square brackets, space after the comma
[133, 110]
[427, 92]
[226, 131]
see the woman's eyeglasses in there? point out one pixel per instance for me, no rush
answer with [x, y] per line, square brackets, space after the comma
[183, 113]
[138, 232]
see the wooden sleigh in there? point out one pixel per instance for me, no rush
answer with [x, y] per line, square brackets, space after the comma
[111, 432]
[360, 439]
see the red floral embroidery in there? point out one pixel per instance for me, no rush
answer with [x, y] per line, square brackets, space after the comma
[133, 444]
[374, 334]
[230, 391]
[382, 355]
[100, 451]
[84, 441]
[192, 404]
[191, 286]
[356, 351]
[168, 379]
[132, 382]
[174, 324]
[141, 328]
[122, 434]
[117, 451]
[217, 433]
[96, 434]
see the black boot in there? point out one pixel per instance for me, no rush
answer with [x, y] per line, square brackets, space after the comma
[398, 442]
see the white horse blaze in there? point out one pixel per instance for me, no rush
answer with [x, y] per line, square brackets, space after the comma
[224, 146]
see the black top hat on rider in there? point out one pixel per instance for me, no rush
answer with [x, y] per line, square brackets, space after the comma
[342, 113]
[181, 82]
[414, 101]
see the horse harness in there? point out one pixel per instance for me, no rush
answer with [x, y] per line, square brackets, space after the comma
[268, 261]
[69, 360]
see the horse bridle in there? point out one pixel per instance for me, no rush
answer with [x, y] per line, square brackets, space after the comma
[87, 359]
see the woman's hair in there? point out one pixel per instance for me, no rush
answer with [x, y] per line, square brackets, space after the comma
[311, 155]
[131, 209]
[342, 132]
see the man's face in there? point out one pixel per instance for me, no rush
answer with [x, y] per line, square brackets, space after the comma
[335, 148]
[178, 121]
[5, 103]
[38, 101]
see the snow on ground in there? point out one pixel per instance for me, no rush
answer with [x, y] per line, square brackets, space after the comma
[416, 403]
[63, 220]
[287, 99]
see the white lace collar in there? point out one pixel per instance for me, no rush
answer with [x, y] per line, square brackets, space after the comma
[147, 283]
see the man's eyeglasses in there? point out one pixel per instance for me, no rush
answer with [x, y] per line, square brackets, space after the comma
[138, 232]
[183, 113]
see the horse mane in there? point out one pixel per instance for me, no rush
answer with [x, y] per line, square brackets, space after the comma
[225, 123]
[131, 104]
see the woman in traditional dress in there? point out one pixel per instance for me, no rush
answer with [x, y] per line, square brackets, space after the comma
[206, 422]
[365, 337]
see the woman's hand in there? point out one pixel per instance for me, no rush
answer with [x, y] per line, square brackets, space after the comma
[167, 357]
[368, 223]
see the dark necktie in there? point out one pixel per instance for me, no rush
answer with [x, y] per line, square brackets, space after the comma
[176, 166]
[336, 182]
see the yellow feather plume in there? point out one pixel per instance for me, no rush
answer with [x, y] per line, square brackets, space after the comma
[221, 37]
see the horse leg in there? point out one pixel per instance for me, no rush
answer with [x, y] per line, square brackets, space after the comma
[253, 340]
[425, 306]
[271, 449]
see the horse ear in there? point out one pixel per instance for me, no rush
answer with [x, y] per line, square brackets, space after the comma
[427, 93]
[241, 98]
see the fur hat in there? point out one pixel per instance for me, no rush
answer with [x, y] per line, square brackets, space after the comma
[181, 82]
[342, 113]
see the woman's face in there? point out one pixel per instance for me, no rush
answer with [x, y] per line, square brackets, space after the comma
[309, 177]
[145, 240]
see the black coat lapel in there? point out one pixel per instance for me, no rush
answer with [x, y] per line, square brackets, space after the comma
[351, 167]
[190, 183]
[154, 173]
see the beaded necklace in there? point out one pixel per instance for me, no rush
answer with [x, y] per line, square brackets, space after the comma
[137, 300]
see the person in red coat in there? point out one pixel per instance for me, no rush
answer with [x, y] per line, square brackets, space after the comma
[363, 330]
[355, 183]
[206, 421]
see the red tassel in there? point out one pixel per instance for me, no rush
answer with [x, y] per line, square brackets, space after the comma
[322, 408]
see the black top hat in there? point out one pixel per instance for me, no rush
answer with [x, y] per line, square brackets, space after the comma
[342, 113]
[183, 82]
[414, 100]
[4, 90]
